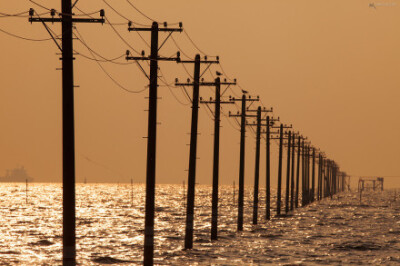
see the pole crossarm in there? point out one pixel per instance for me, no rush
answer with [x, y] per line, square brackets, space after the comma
[165, 29]
[264, 110]
[61, 19]
[249, 99]
[213, 102]
[144, 58]
[209, 84]
[74, 20]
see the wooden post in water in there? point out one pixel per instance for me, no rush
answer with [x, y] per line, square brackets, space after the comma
[288, 173]
[132, 192]
[234, 192]
[26, 191]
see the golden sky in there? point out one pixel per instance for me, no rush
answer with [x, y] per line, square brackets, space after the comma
[330, 68]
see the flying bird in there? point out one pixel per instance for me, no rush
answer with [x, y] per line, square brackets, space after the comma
[218, 73]
[372, 5]
[243, 91]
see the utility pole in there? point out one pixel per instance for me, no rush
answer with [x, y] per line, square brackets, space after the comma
[193, 145]
[152, 130]
[298, 171]
[303, 176]
[257, 161]
[313, 176]
[292, 172]
[244, 100]
[68, 127]
[278, 203]
[269, 122]
[215, 181]
[288, 173]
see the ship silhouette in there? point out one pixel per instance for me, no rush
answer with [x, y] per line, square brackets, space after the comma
[17, 174]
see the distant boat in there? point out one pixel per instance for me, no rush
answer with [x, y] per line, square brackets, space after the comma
[17, 174]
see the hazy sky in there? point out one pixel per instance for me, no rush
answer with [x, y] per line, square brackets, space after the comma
[330, 68]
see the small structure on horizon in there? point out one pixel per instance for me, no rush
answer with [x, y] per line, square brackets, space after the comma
[370, 184]
[17, 174]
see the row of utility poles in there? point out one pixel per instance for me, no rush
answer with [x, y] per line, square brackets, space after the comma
[329, 175]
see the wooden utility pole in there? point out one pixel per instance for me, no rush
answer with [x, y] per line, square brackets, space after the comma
[279, 192]
[269, 122]
[152, 130]
[68, 125]
[193, 145]
[257, 159]
[292, 172]
[242, 115]
[313, 176]
[215, 180]
[298, 172]
[288, 173]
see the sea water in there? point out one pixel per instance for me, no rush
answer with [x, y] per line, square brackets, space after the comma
[110, 227]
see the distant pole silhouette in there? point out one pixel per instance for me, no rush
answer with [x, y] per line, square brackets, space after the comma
[303, 175]
[278, 203]
[319, 177]
[298, 172]
[68, 126]
[242, 115]
[292, 173]
[288, 173]
[257, 167]
[268, 170]
[313, 176]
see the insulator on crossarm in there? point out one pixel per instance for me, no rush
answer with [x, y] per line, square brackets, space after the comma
[102, 13]
[31, 12]
[143, 53]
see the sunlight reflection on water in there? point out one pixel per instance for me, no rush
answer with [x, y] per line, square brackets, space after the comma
[110, 228]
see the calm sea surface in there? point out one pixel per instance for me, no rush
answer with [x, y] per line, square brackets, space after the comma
[110, 222]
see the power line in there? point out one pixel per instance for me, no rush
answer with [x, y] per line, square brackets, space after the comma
[20, 14]
[119, 35]
[80, 38]
[115, 82]
[122, 16]
[146, 16]
[24, 38]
